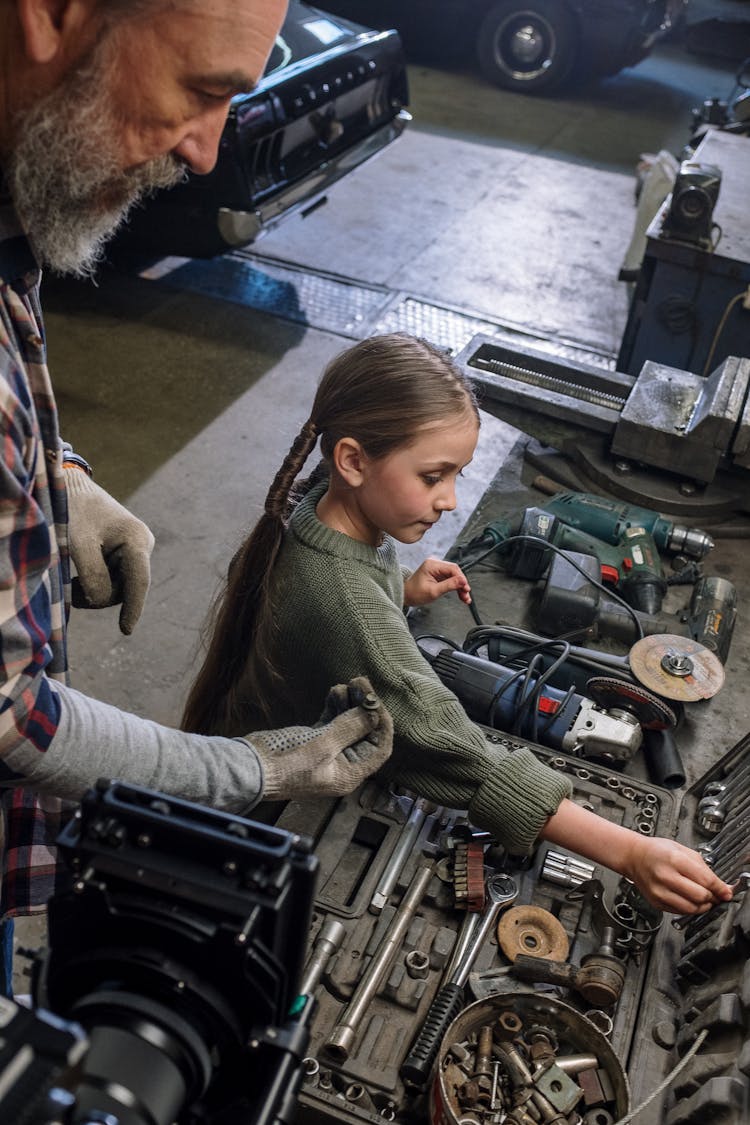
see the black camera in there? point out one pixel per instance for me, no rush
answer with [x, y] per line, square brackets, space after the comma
[169, 989]
[689, 216]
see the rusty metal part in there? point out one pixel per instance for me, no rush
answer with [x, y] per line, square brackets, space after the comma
[507, 1026]
[483, 1061]
[532, 930]
[600, 978]
[676, 667]
[468, 875]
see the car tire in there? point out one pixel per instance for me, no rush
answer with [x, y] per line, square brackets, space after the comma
[528, 45]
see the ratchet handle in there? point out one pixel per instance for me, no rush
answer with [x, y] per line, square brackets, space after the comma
[417, 1066]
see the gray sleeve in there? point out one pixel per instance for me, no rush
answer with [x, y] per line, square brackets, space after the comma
[94, 739]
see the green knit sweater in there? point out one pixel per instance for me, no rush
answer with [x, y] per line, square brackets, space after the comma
[339, 614]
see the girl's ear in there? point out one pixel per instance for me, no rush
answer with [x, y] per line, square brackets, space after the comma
[348, 460]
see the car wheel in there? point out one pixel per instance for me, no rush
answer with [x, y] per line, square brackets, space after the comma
[527, 45]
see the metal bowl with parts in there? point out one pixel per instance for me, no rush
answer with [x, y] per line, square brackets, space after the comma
[531, 1054]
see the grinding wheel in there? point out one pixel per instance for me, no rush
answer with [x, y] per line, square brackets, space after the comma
[533, 931]
[651, 712]
[676, 667]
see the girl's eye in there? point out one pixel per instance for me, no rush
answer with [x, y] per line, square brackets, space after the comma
[430, 479]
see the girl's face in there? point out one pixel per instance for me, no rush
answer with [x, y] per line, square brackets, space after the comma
[407, 491]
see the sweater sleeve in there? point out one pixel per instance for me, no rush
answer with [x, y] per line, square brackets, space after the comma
[94, 739]
[438, 751]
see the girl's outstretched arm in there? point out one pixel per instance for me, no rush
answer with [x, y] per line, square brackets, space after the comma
[671, 876]
[434, 578]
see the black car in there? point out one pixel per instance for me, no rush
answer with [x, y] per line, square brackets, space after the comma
[533, 46]
[332, 95]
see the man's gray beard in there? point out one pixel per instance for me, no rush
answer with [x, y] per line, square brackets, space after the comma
[63, 174]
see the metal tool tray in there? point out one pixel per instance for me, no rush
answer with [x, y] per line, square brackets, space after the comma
[354, 839]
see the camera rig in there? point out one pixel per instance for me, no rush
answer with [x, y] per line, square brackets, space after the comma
[171, 977]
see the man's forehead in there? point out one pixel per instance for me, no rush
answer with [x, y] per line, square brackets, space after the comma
[227, 41]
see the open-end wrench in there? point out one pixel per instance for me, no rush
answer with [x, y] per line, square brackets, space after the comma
[501, 891]
[740, 884]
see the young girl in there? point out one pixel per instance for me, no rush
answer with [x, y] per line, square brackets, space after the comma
[320, 599]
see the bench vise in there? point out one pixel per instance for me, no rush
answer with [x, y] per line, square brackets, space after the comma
[671, 435]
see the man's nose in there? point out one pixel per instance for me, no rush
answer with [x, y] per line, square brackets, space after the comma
[199, 146]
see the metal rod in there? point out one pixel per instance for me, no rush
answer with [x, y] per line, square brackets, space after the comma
[342, 1037]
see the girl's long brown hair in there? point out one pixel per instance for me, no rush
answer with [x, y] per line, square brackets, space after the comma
[380, 392]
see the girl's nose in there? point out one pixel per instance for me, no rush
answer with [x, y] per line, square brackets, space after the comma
[446, 502]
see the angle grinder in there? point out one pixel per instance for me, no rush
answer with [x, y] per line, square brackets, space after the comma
[606, 724]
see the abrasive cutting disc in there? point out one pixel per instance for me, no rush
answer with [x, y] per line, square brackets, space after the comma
[676, 667]
[534, 931]
[652, 712]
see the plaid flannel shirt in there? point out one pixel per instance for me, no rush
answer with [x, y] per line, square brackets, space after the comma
[34, 572]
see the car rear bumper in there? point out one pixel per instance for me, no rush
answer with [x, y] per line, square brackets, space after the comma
[238, 228]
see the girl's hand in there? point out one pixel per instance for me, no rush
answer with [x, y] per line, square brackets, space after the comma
[434, 578]
[673, 877]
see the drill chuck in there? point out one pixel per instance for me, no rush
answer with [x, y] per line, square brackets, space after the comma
[689, 541]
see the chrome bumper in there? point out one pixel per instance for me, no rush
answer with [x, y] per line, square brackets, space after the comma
[237, 228]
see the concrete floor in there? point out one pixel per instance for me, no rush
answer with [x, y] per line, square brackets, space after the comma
[502, 206]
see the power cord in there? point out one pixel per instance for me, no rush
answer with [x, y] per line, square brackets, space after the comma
[744, 296]
[559, 551]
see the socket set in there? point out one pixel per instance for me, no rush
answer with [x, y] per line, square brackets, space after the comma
[401, 942]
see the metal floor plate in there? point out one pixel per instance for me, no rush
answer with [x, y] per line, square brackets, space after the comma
[344, 306]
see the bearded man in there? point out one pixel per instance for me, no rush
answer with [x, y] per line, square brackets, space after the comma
[101, 102]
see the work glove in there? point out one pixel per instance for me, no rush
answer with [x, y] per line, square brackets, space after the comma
[351, 740]
[110, 548]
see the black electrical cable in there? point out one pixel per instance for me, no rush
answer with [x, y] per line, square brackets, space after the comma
[559, 551]
[477, 638]
[526, 706]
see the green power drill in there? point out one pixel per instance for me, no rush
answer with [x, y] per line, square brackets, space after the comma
[632, 567]
[609, 520]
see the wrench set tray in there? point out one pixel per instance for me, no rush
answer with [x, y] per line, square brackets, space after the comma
[696, 1005]
[357, 1051]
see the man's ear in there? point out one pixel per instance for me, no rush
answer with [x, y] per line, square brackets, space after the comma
[348, 460]
[51, 28]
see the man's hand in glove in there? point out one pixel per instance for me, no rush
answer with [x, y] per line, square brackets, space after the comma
[110, 548]
[351, 740]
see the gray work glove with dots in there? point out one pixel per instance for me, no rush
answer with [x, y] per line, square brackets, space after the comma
[111, 550]
[351, 740]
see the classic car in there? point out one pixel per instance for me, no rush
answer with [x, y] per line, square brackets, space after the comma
[333, 95]
[533, 46]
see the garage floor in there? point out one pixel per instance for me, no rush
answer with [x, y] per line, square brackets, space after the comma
[492, 208]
